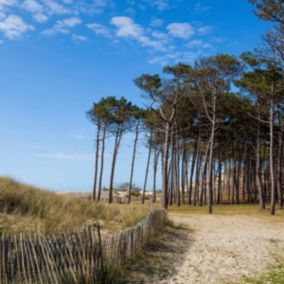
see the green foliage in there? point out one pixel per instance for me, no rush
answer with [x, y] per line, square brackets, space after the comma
[272, 10]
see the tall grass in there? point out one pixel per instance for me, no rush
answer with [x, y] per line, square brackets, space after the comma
[26, 208]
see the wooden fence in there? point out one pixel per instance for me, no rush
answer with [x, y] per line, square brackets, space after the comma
[79, 256]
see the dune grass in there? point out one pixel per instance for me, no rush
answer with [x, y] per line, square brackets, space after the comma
[24, 208]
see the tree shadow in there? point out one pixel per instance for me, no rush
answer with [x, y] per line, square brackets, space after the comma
[160, 257]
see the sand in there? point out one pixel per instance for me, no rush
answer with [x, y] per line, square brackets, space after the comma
[224, 248]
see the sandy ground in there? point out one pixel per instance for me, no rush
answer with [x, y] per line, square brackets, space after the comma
[224, 248]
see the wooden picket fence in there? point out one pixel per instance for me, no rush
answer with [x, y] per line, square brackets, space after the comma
[80, 256]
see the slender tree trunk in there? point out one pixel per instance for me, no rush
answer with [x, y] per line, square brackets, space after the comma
[219, 180]
[147, 170]
[204, 172]
[155, 167]
[209, 193]
[279, 192]
[102, 162]
[197, 178]
[183, 170]
[165, 167]
[177, 172]
[212, 136]
[114, 157]
[96, 159]
[271, 165]
[133, 160]
[193, 161]
[257, 177]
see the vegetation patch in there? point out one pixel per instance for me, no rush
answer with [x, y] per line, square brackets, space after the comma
[24, 208]
[155, 260]
[274, 275]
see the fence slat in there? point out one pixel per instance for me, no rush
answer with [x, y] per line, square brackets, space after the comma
[71, 257]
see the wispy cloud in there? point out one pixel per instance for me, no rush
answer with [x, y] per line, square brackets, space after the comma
[82, 137]
[128, 29]
[181, 30]
[161, 4]
[163, 41]
[64, 156]
[201, 8]
[63, 26]
[14, 26]
[40, 18]
[99, 29]
[79, 37]
[155, 22]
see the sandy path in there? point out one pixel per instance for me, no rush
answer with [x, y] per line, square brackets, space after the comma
[223, 248]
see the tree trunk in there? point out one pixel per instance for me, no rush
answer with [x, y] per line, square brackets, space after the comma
[272, 181]
[96, 159]
[257, 177]
[102, 163]
[114, 157]
[133, 160]
[165, 167]
[147, 169]
[279, 192]
[155, 167]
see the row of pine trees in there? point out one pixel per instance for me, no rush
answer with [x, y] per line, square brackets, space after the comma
[216, 126]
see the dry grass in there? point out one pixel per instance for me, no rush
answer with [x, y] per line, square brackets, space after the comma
[26, 208]
[231, 210]
[155, 260]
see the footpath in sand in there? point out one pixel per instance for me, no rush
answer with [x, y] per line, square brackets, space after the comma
[221, 249]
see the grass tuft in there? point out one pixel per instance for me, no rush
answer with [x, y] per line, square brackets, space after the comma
[25, 208]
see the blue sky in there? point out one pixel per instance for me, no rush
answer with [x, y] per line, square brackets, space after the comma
[59, 56]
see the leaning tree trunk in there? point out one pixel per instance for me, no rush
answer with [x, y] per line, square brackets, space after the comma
[165, 168]
[96, 159]
[133, 161]
[102, 163]
[114, 157]
[147, 170]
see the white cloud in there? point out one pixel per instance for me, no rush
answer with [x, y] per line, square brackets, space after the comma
[40, 18]
[79, 38]
[32, 6]
[181, 30]
[126, 27]
[177, 56]
[82, 137]
[157, 22]
[56, 8]
[14, 26]
[204, 30]
[200, 8]
[99, 29]
[198, 43]
[64, 156]
[161, 4]
[7, 2]
[63, 26]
